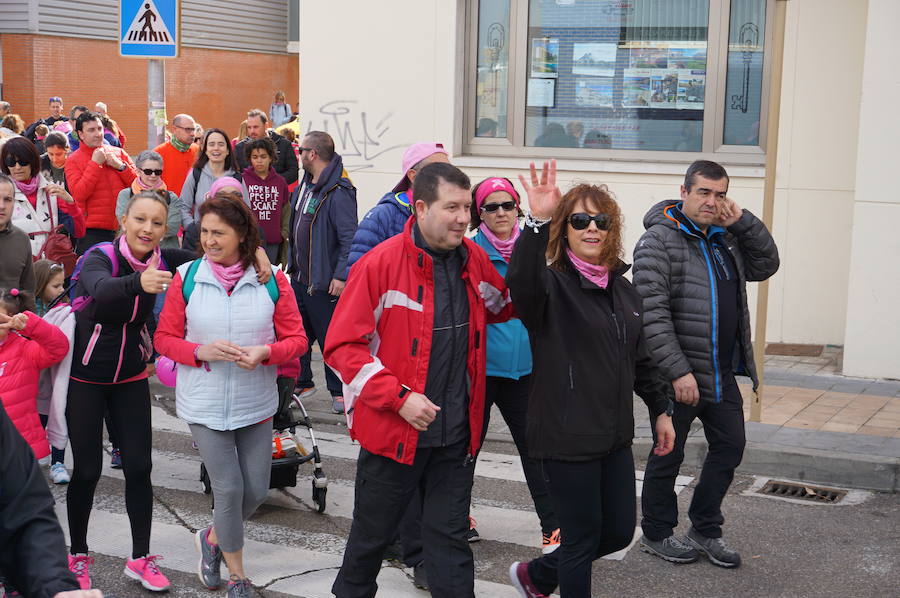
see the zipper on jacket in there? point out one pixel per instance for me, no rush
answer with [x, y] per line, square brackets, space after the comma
[134, 312]
[92, 342]
[452, 348]
[310, 289]
[713, 294]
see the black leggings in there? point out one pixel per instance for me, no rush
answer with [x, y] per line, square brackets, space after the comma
[129, 414]
[597, 508]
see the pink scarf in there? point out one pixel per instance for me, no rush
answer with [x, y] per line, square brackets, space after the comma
[136, 264]
[29, 188]
[138, 185]
[227, 275]
[505, 248]
[599, 275]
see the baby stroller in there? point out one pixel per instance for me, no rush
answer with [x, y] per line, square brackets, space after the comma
[288, 453]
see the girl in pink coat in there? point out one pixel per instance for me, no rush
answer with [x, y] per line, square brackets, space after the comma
[27, 345]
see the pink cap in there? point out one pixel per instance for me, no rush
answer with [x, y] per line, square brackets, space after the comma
[222, 183]
[492, 184]
[415, 154]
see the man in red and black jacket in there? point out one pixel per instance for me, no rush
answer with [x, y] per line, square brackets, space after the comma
[407, 339]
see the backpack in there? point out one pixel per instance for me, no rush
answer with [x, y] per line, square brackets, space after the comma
[188, 284]
[106, 247]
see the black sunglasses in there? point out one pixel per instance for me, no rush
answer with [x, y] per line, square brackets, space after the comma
[305, 149]
[151, 171]
[507, 206]
[581, 221]
[12, 161]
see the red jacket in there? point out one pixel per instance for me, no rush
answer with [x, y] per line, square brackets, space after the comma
[379, 340]
[95, 187]
[21, 362]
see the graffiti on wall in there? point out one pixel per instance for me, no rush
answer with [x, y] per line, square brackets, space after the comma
[359, 137]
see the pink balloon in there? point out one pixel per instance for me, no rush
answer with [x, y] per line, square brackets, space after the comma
[166, 371]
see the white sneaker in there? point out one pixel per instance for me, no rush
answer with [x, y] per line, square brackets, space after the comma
[58, 473]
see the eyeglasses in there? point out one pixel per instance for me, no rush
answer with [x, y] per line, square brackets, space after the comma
[581, 221]
[506, 206]
[151, 171]
[305, 149]
[11, 161]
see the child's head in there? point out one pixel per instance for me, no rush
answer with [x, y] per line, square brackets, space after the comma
[49, 280]
[41, 131]
[12, 302]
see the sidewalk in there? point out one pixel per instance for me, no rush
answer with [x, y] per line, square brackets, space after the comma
[817, 425]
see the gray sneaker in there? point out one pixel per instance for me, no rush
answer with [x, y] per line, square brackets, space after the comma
[670, 549]
[239, 588]
[209, 569]
[714, 549]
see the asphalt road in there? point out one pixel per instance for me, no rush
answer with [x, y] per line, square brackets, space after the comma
[788, 549]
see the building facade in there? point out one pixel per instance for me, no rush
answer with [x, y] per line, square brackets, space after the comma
[628, 93]
[233, 56]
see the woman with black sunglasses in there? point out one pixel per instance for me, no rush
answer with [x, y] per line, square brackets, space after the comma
[150, 167]
[495, 214]
[584, 318]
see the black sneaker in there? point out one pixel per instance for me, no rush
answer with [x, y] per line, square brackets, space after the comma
[420, 577]
[670, 549]
[714, 549]
[393, 552]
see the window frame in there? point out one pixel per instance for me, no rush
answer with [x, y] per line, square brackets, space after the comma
[513, 146]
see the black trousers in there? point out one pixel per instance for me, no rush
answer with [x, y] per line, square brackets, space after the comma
[597, 511]
[316, 311]
[129, 413]
[91, 237]
[511, 397]
[384, 487]
[723, 424]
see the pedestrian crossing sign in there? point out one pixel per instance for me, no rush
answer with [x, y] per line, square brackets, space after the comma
[149, 28]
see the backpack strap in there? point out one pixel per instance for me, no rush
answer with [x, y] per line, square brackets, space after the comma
[188, 284]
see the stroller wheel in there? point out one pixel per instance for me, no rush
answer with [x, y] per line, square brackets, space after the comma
[318, 495]
[204, 479]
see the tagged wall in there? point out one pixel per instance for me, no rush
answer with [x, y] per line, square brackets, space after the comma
[217, 87]
[414, 77]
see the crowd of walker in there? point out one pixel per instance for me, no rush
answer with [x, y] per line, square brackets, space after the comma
[443, 300]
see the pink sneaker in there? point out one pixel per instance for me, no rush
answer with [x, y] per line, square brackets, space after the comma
[518, 575]
[146, 571]
[79, 565]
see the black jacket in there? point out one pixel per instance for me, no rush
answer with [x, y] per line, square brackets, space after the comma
[285, 163]
[32, 545]
[673, 268]
[589, 355]
[107, 345]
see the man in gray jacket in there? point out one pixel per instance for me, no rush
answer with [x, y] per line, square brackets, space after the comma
[691, 266]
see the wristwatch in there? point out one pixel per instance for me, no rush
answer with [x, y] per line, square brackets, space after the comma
[670, 407]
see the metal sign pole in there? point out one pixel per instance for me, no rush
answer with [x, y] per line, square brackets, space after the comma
[762, 298]
[156, 102]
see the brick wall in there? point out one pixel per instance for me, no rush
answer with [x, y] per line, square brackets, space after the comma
[216, 87]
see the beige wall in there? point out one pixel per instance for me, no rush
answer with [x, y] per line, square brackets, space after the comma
[407, 87]
[873, 309]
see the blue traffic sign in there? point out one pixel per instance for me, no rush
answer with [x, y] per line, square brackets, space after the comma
[149, 28]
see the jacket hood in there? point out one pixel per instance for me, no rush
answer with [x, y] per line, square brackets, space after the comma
[390, 198]
[657, 214]
[334, 174]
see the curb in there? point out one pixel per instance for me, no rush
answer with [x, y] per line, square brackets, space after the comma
[833, 468]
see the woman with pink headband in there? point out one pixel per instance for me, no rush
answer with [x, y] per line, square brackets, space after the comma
[495, 213]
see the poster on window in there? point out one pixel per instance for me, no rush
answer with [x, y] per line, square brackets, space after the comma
[691, 90]
[593, 59]
[636, 88]
[663, 88]
[545, 57]
[541, 92]
[594, 92]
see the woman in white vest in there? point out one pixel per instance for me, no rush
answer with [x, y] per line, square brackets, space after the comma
[228, 333]
[38, 201]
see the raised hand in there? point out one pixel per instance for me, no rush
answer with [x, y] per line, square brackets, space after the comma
[16, 322]
[418, 411]
[154, 280]
[729, 213]
[60, 192]
[253, 356]
[543, 194]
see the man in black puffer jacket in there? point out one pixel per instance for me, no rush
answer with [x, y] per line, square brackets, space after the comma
[691, 266]
[285, 163]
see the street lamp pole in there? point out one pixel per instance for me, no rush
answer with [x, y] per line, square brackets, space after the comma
[156, 102]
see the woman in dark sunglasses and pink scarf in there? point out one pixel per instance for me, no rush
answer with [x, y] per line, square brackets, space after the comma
[584, 319]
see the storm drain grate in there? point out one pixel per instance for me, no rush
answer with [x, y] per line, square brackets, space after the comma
[818, 494]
